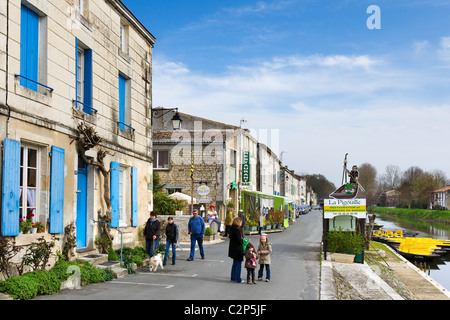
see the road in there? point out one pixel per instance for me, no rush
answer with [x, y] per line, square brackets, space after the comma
[295, 273]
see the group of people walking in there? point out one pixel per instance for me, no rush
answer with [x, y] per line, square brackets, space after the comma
[238, 250]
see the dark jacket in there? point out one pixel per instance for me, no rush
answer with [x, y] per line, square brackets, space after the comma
[172, 232]
[152, 229]
[235, 250]
[248, 259]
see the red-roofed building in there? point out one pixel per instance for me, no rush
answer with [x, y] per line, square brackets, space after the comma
[440, 198]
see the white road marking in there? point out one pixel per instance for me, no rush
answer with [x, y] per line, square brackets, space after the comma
[167, 286]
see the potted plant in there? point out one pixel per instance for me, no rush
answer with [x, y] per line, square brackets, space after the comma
[252, 225]
[209, 236]
[279, 218]
[25, 225]
[345, 245]
[40, 227]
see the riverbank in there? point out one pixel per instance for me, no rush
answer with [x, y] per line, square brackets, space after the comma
[390, 277]
[426, 215]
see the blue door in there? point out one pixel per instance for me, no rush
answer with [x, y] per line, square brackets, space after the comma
[81, 221]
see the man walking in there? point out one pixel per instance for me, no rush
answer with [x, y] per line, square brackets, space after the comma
[196, 228]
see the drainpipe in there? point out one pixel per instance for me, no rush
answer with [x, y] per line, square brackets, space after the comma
[7, 69]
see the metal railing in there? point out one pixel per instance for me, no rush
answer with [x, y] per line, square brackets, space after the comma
[84, 105]
[120, 122]
[121, 237]
[38, 83]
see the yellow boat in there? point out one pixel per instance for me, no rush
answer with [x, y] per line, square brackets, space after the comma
[412, 247]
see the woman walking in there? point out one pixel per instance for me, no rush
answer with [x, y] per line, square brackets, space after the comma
[235, 250]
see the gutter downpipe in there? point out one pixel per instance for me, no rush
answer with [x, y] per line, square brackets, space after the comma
[7, 69]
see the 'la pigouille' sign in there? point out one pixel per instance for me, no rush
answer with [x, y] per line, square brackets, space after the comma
[338, 207]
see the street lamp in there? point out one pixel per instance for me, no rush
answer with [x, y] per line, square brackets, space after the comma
[176, 119]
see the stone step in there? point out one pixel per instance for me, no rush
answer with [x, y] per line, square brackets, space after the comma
[118, 271]
[94, 259]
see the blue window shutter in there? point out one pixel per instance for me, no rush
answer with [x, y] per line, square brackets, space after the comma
[57, 190]
[122, 82]
[114, 194]
[134, 197]
[29, 47]
[11, 188]
[87, 80]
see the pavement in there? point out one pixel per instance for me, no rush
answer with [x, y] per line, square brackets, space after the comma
[369, 286]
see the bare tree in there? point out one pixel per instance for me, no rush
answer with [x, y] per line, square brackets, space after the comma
[390, 180]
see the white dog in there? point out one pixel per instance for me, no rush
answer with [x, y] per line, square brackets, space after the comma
[155, 261]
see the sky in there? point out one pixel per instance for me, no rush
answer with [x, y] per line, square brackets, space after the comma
[325, 77]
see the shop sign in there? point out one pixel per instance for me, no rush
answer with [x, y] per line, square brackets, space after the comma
[341, 207]
[203, 190]
[246, 168]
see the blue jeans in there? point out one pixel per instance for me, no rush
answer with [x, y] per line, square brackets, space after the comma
[261, 269]
[199, 239]
[151, 246]
[236, 271]
[166, 254]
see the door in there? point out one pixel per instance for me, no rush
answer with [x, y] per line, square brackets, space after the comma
[81, 221]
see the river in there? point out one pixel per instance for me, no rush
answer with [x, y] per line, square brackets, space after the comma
[438, 269]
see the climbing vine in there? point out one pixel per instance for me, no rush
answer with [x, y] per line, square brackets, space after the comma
[88, 139]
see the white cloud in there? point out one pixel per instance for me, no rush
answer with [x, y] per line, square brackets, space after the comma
[323, 106]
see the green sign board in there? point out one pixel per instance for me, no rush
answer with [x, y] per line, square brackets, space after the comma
[246, 168]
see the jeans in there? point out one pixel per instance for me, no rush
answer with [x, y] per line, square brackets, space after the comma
[261, 269]
[166, 254]
[236, 271]
[250, 275]
[151, 246]
[199, 239]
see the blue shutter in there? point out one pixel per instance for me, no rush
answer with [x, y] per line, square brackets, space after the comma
[11, 188]
[57, 190]
[115, 194]
[122, 82]
[134, 197]
[87, 80]
[29, 47]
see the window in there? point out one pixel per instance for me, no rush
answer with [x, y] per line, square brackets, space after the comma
[160, 159]
[124, 103]
[122, 196]
[123, 38]
[29, 183]
[83, 78]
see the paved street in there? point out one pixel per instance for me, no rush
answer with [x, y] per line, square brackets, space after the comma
[295, 273]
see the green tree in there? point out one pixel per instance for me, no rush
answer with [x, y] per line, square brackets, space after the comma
[162, 203]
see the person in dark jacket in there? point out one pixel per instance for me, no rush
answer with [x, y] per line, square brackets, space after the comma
[152, 233]
[196, 228]
[171, 240]
[235, 250]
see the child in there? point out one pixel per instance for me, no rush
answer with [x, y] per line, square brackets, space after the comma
[264, 251]
[250, 262]
[172, 235]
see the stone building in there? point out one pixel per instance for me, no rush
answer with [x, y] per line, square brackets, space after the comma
[63, 63]
[222, 157]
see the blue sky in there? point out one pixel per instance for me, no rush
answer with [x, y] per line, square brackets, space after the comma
[312, 70]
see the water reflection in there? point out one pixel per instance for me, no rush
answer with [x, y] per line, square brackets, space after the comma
[438, 268]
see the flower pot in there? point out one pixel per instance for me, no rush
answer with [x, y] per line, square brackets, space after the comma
[33, 230]
[268, 227]
[39, 230]
[344, 257]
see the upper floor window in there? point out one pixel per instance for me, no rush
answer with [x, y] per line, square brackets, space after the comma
[124, 103]
[160, 159]
[83, 77]
[124, 37]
